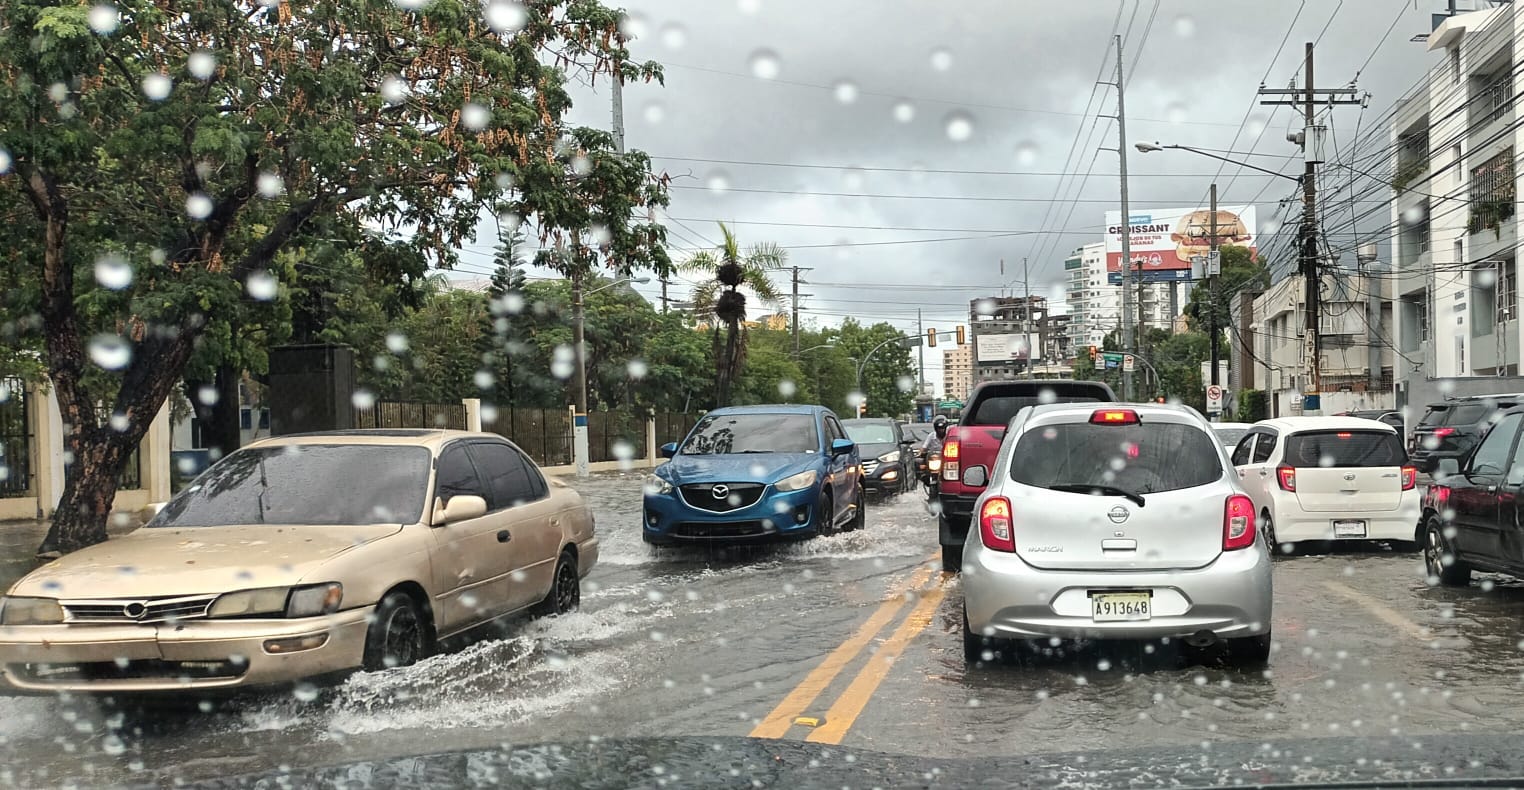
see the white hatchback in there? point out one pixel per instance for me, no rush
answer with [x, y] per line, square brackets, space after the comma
[1328, 479]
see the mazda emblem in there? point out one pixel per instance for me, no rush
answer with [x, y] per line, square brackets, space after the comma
[135, 610]
[1118, 514]
[720, 491]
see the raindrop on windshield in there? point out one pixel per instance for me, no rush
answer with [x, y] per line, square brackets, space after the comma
[1175, 112]
[654, 112]
[941, 59]
[1256, 123]
[113, 272]
[787, 388]
[581, 165]
[853, 178]
[110, 351]
[718, 181]
[207, 395]
[633, 26]
[674, 36]
[5, 161]
[396, 342]
[156, 86]
[1485, 278]
[904, 111]
[1185, 27]
[363, 399]
[765, 64]
[845, 91]
[394, 89]
[563, 362]
[637, 369]
[905, 383]
[261, 286]
[1412, 215]
[1026, 153]
[484, 380]
[411, 5]
[505, 16]
[749, 7]
[269, 185]
[959, 125]
[198, 205]
[475, 117]
[104, 18]
[202, 64]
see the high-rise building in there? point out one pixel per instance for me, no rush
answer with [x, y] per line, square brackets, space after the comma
[1095, 306]
[957, 372]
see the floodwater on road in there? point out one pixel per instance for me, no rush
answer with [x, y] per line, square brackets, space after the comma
[859, 631]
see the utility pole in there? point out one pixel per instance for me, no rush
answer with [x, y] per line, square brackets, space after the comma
[795, 324]
[618, 108]
[579, 414]
[1311, 140]
[1212, 287]
[920, 332]
[1026, 312]
[1126, 224]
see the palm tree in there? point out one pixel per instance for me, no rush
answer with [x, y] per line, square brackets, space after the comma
[720, 296]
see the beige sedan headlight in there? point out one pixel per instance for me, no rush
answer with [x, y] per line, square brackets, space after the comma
[30, 611]
[245, 603]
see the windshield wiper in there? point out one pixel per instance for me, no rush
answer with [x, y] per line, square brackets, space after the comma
[1080, 488]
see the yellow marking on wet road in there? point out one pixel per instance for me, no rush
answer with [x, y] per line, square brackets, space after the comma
[777, 723]
[807, 721]
[850, 704]
[1382, 612]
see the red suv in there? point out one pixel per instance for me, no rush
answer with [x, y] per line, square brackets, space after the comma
[971, 446]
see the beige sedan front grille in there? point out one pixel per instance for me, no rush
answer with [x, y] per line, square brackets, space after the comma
[137, 610]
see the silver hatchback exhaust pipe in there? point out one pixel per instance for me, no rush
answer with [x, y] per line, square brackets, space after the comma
[1201, 638]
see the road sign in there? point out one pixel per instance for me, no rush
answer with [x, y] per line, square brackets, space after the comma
[1127, 363]
[1214, 397]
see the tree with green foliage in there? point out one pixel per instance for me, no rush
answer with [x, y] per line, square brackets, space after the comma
[888, 377]
[727, 270]
[1241, 273]
[192, 144]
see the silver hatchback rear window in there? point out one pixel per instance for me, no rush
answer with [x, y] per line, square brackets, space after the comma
[1142, 458]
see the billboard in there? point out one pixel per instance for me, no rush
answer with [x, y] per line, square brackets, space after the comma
[1163, 240]
[991, 349]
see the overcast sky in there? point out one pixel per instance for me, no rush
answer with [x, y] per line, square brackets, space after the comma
[973, 85]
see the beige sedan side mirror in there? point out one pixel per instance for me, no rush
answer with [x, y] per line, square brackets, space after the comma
[460, 508]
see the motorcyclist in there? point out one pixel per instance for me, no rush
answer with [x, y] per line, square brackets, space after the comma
[933, 443]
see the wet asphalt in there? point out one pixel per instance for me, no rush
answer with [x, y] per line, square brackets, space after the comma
[680, 642]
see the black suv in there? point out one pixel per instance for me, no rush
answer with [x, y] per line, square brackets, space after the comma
[1472, 510]
[1450, 428]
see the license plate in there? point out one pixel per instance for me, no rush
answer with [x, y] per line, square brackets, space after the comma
[1349, 529]
[1110, 607]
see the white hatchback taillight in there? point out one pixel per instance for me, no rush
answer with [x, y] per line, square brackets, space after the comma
[1238, 523]
[995, 524]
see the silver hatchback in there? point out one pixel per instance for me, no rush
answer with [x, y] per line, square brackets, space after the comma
[1115, 521]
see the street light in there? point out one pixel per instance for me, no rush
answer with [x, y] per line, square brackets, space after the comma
[1147, 147]
[831, 344]
[579, 351]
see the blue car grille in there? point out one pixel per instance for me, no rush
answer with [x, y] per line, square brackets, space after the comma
[722, 529]
[722, 497]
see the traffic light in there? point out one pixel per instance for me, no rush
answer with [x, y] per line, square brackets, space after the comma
[1092, 353]
[931, 337]
[962, 336]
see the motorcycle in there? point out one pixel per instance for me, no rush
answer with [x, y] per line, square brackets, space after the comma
[932, 473]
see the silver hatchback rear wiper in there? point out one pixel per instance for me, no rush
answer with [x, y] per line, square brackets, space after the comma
[1084, 488]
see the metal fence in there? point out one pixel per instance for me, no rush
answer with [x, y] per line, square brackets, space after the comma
[545, 434]
[674, 426]
[412, 414]
[615, 436]
[15, 440]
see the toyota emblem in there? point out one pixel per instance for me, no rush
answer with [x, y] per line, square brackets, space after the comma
[135, 610]
[1118, 514]
[720, 491]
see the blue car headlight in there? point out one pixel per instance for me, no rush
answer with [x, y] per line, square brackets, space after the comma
[798, 482]
[655, 485]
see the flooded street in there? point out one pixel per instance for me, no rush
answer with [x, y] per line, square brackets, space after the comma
[856, 631]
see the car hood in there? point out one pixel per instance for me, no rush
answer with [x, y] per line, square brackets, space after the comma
[752, 467]
[195, 560]
[713, 762]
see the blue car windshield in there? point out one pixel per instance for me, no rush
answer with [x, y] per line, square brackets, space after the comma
[725, 434]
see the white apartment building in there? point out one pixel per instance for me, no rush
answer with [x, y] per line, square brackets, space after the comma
[1456, 186]
[1355, 362]
[1095, 306]
[957, 372]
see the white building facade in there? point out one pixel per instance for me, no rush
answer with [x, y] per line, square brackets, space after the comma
[1095, 306]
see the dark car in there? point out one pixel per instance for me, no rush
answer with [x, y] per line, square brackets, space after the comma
[968, 452]
[1472, 512]
[1388, 416]
[917, 433]
[1450, 428]
[888, 464]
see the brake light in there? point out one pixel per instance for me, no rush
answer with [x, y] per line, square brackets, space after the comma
[1114, 417]
[950, 460]
[1443, 432]
[1409, 478]
[995, 524]
[1238, 523]
[1439, 497]
[1286, 476]
[1344, 434]
[950, 449]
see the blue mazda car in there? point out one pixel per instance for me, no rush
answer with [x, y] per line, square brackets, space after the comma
[756, 473]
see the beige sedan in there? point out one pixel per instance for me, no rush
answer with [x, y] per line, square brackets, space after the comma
[304, 556]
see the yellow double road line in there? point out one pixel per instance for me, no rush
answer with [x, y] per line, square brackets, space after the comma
[845, 710]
